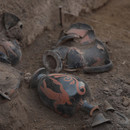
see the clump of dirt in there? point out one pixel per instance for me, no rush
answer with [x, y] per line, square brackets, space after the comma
[26, 111]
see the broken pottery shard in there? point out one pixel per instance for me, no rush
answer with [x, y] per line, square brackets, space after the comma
[10, 20]
[99, 119]
[10, 80]
[124, 122]
[108, 106]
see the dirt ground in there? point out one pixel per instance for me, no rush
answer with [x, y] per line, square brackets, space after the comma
[112, 25]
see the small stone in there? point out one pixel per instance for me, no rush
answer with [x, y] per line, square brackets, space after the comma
[49, 36]
[126, 102]
[98, 76]
[105, 82]
[34, 120]
[118, 92]
[124, 62]
[106, 89]
[118, 126]
[112, 75]
[27, 77]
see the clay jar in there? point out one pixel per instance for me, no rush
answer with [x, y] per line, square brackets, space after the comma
[63, 93]
[10, 37]
[78, 48]
[10, 52]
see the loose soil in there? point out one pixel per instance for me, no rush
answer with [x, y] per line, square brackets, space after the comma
[112, 25]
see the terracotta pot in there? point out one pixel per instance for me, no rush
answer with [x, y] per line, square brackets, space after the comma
[77, 49]
[10, 52]
[63, 93]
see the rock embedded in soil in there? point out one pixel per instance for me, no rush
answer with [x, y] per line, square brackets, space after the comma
[118, 92]
[27, 77]
[106, 91]
[105, 81]
[126, 101]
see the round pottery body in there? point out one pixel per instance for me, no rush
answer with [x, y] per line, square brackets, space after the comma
[62, 93]
[10, 52]
[78, 49]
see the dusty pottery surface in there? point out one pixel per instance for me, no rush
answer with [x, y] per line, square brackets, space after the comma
[63, 93]
[78, 48]
[10, 37]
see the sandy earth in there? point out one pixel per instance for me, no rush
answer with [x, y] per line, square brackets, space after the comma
[112, 25]
[35, 15]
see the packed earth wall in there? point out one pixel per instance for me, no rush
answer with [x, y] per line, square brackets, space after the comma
[36, 15]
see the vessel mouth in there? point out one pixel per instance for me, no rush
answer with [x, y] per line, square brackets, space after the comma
[89, 108]
[52, 61]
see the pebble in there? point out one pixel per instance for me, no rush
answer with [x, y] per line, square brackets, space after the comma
[106, 90]
[118, 92]
[34, 120]
[27, 77]
[49, 36]
[124, 62]
[112, 75]
[105, 81]
[126, 102]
